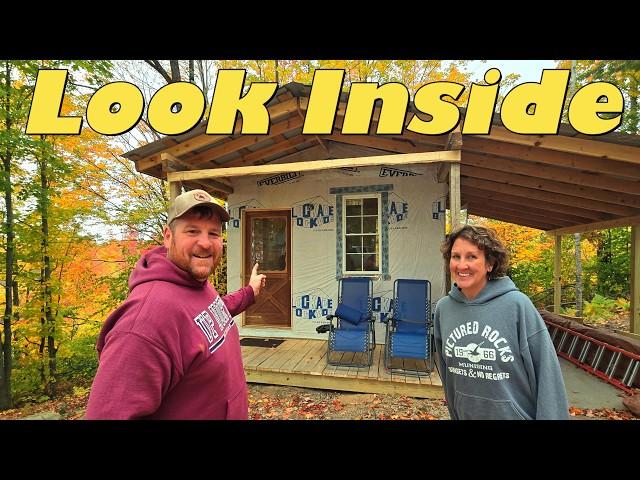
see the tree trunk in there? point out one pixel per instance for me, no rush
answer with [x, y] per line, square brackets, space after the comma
[576, 241]
[5, 338]
[49, 320]
[175, 71]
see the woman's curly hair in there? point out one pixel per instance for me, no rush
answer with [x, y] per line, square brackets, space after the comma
[486, 240]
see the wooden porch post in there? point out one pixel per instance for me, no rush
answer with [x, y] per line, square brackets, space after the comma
[454, 194]
[557, 274]
[175, 188]
[634, 323]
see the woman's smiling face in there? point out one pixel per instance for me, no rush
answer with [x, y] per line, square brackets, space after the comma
[468, 267]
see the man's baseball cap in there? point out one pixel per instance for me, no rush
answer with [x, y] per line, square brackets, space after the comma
[187, 200]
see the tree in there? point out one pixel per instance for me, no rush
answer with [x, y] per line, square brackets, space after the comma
[13, 145]
[625, 74]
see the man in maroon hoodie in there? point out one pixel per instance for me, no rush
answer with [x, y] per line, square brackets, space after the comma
[172, 350]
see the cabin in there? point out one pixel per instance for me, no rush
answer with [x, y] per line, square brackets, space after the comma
[311, 209]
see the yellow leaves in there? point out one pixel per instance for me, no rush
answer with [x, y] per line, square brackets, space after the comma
[524, 244]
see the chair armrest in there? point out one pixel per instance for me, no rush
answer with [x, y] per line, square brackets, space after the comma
[417, 322]
[323, 328]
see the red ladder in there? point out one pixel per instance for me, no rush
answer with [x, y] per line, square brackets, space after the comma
[592, 355]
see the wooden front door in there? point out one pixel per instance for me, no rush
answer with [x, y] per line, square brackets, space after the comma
[267, 241]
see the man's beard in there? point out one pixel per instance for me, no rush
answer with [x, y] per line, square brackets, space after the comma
[187, 267]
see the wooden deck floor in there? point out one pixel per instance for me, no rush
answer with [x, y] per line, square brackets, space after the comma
[303, 363]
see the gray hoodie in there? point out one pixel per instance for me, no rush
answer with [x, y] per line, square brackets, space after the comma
[497, 361]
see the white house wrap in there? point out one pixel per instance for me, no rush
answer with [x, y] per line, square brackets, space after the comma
[409, 236]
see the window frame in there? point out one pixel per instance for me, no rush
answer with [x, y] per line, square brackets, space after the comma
[361, 196]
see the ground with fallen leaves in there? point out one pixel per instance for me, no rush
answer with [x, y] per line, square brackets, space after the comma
[271, 402]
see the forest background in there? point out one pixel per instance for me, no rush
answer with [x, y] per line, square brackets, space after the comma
[76, 215]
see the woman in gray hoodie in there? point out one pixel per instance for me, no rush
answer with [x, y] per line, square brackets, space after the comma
[497, 361]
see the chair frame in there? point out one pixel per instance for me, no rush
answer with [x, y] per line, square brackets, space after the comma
[392, 325]
[370, 331]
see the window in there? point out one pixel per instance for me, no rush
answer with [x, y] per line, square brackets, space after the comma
[361, 227]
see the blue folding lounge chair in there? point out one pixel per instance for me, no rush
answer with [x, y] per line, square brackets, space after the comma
[353, 331]
[408, 333]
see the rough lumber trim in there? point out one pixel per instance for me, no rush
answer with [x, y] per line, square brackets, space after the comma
[175, 188]
[221, 184]
[454, 193]
[403, 159]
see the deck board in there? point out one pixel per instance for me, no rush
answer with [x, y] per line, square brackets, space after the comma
[303, 363]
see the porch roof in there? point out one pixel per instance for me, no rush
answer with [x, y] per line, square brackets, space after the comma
[559, 183]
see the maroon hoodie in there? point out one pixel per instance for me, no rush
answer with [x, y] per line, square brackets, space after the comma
[171, 350]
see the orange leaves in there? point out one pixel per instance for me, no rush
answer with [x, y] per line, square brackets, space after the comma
[525, 244]
[299, 408]
[602, 413]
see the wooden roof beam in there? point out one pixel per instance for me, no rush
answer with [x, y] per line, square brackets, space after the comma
[209, 186]
[538, 194]
[276, 111]
[531, 182]
[520, 213]
[558, 174]
[439, 141]
[443, 173]
[580, 213]
[249, 158]
[562, 143]
[499, 202]
[496, 215]
[380, 143]
[485, 145]
[619, 222]
[244, 141]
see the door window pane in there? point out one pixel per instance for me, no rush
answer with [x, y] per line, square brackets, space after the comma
[269, 243]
